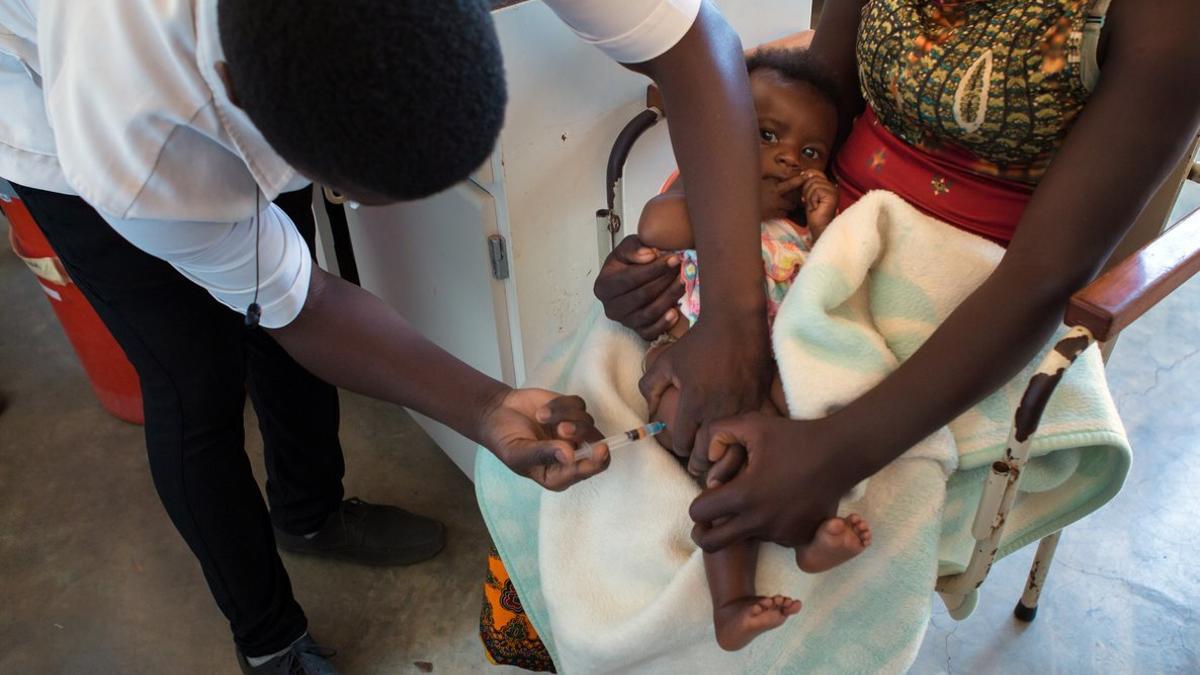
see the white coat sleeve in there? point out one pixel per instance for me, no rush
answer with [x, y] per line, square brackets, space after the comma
[220, 257]
[629, 31]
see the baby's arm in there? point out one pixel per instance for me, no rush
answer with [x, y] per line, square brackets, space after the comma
[665, 224]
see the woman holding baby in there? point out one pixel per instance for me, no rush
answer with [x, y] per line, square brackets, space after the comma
[979, 114]
[1043, 126]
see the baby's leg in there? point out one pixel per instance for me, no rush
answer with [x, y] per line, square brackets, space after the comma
[669, 401]
[667, 406]
[739, 614]
[837, 540]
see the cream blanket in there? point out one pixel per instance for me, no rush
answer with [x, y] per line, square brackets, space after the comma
[607, 570]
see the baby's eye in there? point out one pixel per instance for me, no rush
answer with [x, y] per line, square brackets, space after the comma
[811, 153]
[768, 136]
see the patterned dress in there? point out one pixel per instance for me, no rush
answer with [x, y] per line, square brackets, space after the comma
[968, 102]
[1002, 80]
[509, 638]
[785, 245]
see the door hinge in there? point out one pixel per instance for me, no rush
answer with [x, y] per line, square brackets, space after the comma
[498, 252]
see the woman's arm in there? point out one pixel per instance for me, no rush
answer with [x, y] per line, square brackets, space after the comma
[1144, 113]
[834, 43]
[712, 125]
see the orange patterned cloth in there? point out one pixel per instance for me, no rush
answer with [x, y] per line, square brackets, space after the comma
[509, 639]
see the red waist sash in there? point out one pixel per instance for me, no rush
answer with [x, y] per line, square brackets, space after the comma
[941, 185]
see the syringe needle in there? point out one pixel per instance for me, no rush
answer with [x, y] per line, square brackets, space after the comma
[584, 451]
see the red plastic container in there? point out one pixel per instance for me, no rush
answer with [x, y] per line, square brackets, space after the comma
[112, 376]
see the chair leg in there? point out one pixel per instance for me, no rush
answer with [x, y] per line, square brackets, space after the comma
[960, 606]
[1026, 608]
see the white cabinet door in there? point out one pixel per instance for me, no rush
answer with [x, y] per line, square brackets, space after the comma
[429, 259]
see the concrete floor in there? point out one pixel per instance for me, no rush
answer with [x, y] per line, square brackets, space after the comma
[93, 579]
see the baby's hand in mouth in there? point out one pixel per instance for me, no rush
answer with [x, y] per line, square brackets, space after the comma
[781, 194]
[790, 183]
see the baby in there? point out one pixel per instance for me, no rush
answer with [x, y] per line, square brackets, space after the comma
[798, 123]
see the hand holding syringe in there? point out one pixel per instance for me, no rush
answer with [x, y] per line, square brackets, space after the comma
[584, 451]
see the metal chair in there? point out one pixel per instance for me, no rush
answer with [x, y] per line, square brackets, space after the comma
[1144, 269]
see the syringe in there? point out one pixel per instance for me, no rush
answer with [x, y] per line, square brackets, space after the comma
[584, 451]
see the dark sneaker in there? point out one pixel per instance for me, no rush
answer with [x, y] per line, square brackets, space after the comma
[306, 657]
[371, 534]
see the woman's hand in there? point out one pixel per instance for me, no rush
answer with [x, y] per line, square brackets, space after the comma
[719, 370]
[792, 477]
[535, 432]
[639, 288]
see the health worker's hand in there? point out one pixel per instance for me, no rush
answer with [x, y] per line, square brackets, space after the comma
[535, 433]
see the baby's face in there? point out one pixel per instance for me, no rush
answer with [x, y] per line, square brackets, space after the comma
[797, 129]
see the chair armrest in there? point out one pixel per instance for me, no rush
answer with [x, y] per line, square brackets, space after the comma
[1125, 292]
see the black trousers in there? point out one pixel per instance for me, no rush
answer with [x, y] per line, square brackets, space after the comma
[196, 361]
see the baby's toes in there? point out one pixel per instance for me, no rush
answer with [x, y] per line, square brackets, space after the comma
[860, 526]
[792, 607]
[769, 604]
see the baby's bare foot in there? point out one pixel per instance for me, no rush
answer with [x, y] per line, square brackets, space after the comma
[837, 540]
[739, 621]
